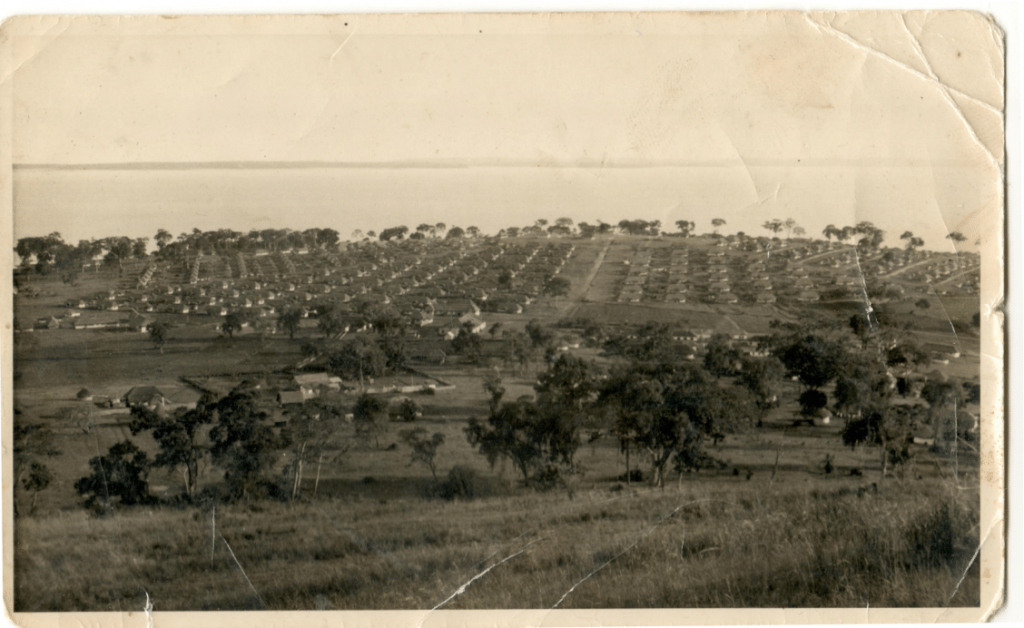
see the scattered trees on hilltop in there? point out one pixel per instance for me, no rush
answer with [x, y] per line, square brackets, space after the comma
[686, 227]
[640, 227]
[774, 225]
[393, 233]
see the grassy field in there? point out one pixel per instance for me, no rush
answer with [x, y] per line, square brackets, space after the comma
[709, 543]
[771, 529]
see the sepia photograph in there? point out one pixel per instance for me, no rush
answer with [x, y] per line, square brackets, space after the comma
[629, 318]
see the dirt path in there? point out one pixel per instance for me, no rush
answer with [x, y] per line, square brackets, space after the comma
[905, 269]
[962, 275]
[811, 258]
[585, 287]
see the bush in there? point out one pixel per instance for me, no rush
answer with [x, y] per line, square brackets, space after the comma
[461, 484]
[635, 475]
[942, 537]
[546, 478]
[409, 410]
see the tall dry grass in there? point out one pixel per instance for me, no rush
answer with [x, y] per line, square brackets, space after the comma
[719, 545]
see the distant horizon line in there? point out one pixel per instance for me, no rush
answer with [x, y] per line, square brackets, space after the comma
[455, 164]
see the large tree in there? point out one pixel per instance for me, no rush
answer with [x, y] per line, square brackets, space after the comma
[331, 320]
[315, 434]
[563, 394]
[70, 261]
[370, 417]
[234, 322]
[888, 426]
[244, 445]
[906, 357]
[813, 359]
[670, 410]
[158, 334]
[540, 336]
[424, 448]
[511, 433]
[118, 250]
[357, 358]
[122, 474]
[721, 358]
[774, 225]
[762, 376]
[912, 243]
[41, 249]
[393, 233]
[181, 437]
[685, 227]
[468, 344]
[872, 236]
[391, 328]
[289, 320]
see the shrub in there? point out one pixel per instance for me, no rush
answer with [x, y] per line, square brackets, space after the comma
[546, 478]
[635, 475]
[942, 537]
[461, 484]
[409, 410]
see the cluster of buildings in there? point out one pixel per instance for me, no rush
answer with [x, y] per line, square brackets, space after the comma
[419, 279]
[735, 272]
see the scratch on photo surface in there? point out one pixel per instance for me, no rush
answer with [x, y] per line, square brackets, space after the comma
[244, 575]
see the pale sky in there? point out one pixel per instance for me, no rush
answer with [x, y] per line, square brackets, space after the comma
[826, 119]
